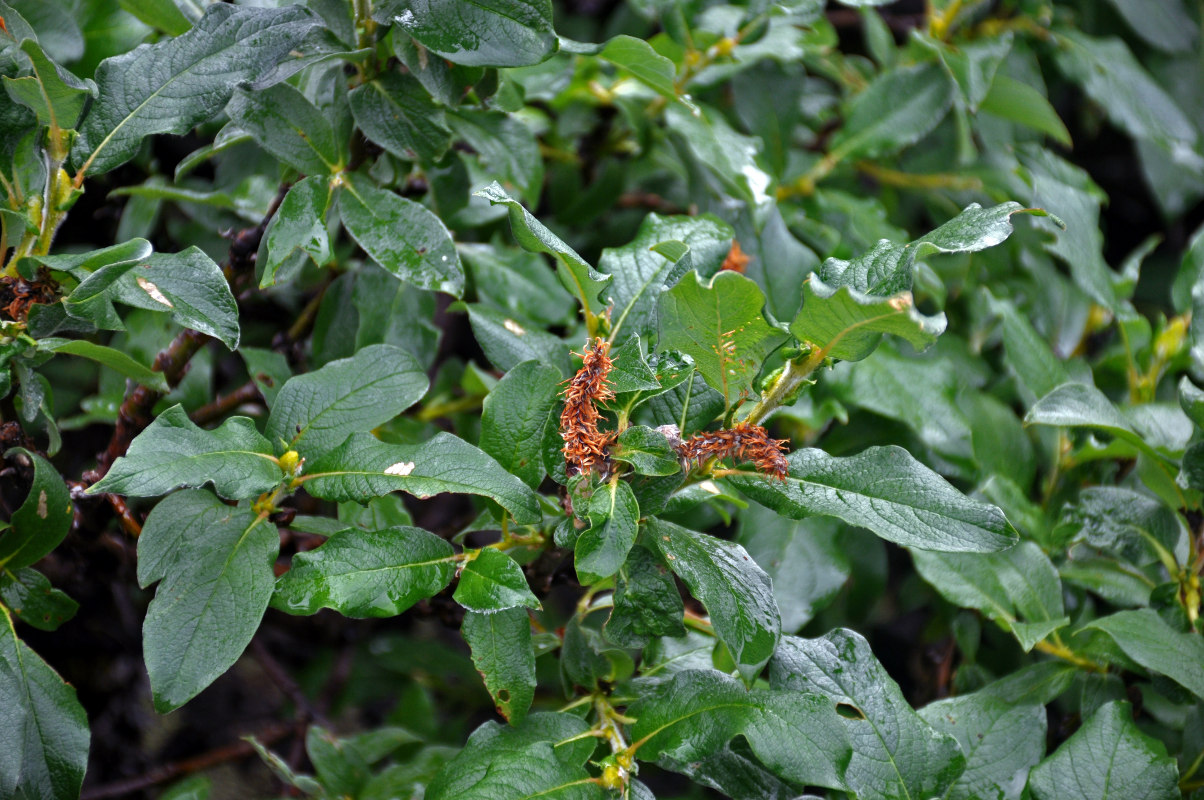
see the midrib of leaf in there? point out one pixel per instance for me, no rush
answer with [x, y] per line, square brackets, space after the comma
[614, 331]
[562, 786]
[54, 121]
[658, 667]
[411, 565]
[685, 406]
[221, 575]
[330, 408]
[720, 351]
[12, 631]
[677, 720]
[855, 326]
[152, 96]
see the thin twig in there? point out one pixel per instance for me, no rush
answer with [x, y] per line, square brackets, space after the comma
[230, 752]
[210, 412]
[285, 683]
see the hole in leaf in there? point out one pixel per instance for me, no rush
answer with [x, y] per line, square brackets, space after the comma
[849, 711]
[503, 695]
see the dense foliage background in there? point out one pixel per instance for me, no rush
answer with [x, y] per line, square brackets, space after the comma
[301, 302]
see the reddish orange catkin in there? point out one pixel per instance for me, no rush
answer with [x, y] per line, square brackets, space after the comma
[585, 445]
[744, 442]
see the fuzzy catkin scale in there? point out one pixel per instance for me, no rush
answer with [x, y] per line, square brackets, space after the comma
[584, 445]
[743, 442]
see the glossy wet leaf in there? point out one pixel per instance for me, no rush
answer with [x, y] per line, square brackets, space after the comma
[44, 733]
[173, 452]
[1107, 759]
[367, 573]
[317, 411]
[736, 593]
[887, 491]
[42, 520]
[404, 237]
[501, 650]
[1019, 585]
[493, 581]
[30, 597]
[721, 325]
[614, 519]
[848, 324]
[215, 566]
[1147, 639]
[364, 467]
[896, 754]
[171, 86]
[492, 33]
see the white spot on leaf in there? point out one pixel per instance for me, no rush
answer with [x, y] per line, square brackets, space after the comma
[709, 486]
[42, 504]
[514, 327]
[154, 292]
[401, 468]
[900, 302]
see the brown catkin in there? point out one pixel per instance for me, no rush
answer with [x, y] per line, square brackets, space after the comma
[743, 442]
[584, 445]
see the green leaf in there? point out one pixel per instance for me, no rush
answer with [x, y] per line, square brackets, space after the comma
[30, 597]
[1110, 75]
[527, 773]
[508, 343]
[287, 125]
[396, 112]
[190, 286]
[642, 269]
[578, 277]
[1069, 192]
[172, 86]
[1018, 102]
[43, 728]
[736, 593]
[268, 368]
[340, 768]
[1107, 759]
[1029, 355]
[215, 562]
[642, 61]
[162, 15]
[114, 359]
[487, 33]
[797, 735]
[506, 145]
[1167, 26]
[173, 452]
[802, 558]
[721, 325]
[1125, 523]
[896, 754]
[299, 225]
[1080, 405]
[363, 467]
[614, 522]
[56, 96]
[1155, 645]
[647, 451]
[848, 324]
[316, 412]
[887, 269]
[493, 581]
[1001, 742]
[876, 123]
[646, 602]
[42, 520]
[1020, 582]
[518, 284]
[501, 650]
[514, 417]
[887, 491]
[405, 238]
[367, 573]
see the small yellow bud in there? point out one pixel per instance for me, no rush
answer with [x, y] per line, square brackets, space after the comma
[1171, 339]
[725, 46]
[612, 777]
[290, 461]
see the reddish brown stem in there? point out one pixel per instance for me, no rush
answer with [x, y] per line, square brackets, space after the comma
[231, 752]
[211, 412]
